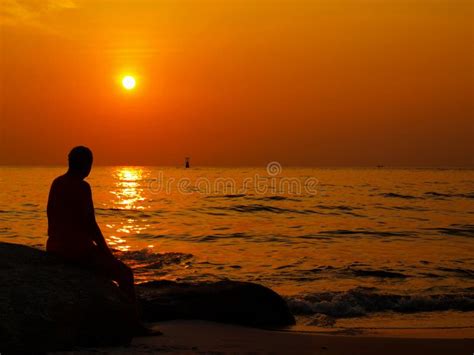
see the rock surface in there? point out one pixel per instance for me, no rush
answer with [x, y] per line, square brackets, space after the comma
[47, 305]
[242, 303]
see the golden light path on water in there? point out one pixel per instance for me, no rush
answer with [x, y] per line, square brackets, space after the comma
[128, 195]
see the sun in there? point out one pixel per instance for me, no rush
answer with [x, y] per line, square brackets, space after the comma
[128, 82]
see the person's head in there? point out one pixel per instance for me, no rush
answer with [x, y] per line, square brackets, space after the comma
[80, 161]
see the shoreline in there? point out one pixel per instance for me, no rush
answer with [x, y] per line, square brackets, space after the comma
[392, 332]
[194, 336]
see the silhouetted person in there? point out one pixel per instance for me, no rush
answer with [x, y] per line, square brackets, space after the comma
[73, 232]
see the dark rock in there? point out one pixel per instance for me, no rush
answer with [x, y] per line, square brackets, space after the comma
[48, 305]
[242, 303]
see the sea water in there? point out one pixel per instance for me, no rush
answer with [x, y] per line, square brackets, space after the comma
[347, 248]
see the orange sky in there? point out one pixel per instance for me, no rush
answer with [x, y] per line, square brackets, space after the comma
[239, 82]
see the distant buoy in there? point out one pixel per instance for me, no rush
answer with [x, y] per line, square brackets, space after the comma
[186, 162]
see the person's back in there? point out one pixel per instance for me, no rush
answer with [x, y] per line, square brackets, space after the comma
[70, 217]
[73, 232]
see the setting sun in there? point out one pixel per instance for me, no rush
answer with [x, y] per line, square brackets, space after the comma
[128, 82]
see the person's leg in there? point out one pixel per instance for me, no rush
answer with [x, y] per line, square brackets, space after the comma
[117, 271]
[123, 275]
[113, 269]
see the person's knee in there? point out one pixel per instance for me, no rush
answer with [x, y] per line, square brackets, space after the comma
[126, 268]
[126, 271]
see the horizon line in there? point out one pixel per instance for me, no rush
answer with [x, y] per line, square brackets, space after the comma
[366, 166]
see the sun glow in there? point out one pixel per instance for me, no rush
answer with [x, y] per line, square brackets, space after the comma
[128, 82]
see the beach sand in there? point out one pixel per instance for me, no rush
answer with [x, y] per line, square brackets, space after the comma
[207, 337]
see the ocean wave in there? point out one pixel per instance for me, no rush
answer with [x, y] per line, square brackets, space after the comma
[252, 208]
[368, 232]
[439, 195]
[256, 198]
[429, 194]
[127, 213]
[147, 259]
[227, 196]
[338, 210]
[461, 230]
[405, 208]
[274, 198]
[362, 301]
[465, 273]
[354, 270]
[377, 273]
[395, 195]
[338, 207]
[220, 236]
[322, 235]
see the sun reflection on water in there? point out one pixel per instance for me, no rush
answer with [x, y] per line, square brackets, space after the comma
[128, 192]
[128, 195]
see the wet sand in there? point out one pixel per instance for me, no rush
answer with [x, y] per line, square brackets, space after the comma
[207, 337]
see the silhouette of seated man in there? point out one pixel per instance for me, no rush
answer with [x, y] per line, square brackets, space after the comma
[73, 233]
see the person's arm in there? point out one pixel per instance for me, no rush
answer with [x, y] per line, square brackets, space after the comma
[92, 225]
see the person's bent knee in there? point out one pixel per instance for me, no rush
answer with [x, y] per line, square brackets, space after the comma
[126, 270]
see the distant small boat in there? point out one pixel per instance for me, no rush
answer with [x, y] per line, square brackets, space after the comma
[186, 162]
[380, 166]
